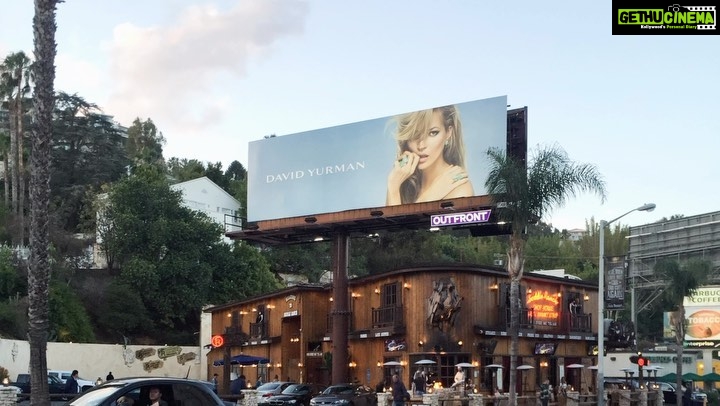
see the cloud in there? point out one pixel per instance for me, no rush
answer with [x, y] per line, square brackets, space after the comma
[77, 76]
[169, 72]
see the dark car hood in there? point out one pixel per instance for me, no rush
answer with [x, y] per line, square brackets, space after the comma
[285, 397]
[327, 398]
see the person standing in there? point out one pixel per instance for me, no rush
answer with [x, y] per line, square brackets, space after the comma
[399, 392]
[71, 385]
[562, 392]
[109, 377]
[545, 393]
[215, 382]
[237, 386]
[419, 382]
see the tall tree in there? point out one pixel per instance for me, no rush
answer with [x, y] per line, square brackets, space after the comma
[44, 28]
[681, 281]
[172, 255]
[145, 144]
[528, 194]
[88, 151]
[16, 79]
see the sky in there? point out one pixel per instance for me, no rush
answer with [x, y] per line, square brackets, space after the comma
[215, 76]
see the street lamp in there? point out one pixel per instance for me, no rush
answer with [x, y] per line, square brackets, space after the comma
[601, 302]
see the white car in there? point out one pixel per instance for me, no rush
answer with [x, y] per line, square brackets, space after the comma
[83, 384]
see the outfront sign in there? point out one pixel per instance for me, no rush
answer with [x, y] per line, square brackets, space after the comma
[377, 163]
[455, 219]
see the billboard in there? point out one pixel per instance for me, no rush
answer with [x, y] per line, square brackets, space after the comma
[423, 156]
[702, 315]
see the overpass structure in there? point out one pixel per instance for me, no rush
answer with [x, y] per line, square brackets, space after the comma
[680, 239]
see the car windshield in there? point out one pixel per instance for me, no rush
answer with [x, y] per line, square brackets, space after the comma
[294, 389]
[268, 386]
[95, 396]
[333, 390]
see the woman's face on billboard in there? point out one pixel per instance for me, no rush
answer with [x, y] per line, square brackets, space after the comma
[429, 146]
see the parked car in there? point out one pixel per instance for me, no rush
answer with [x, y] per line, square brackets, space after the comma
[346, 394]
[83, 384]
[55, 385]
[271, 389]
[188, 392]
[620, 383]
[668, 391]
[296, 394]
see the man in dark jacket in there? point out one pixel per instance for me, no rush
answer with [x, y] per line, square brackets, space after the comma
[238, 385]
[399, 392]
[71, 384]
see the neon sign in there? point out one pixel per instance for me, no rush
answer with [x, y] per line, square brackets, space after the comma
[545, 308]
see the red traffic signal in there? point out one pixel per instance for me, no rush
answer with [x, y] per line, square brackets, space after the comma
[217, 341]
[640, 360]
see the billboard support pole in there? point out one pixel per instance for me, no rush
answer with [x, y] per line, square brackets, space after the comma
[340, 312]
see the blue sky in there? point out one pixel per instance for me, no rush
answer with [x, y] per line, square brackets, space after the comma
[215, 76]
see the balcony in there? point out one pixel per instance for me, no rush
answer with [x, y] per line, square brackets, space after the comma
[527, 318]
[388, 319]
[578, 323]
[258, 331]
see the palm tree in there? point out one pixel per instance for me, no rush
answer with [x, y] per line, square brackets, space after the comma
[44, 28]
[681, 281]
[523, 196]
[16, 84]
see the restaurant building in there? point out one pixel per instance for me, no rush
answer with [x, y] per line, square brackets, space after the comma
[430, 317]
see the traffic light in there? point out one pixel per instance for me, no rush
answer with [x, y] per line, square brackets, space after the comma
[640, 360]
[217, 340]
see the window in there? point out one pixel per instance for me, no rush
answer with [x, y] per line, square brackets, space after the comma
[390, 294]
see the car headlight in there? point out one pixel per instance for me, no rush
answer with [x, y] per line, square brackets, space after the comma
[341, 402]
[292, 401]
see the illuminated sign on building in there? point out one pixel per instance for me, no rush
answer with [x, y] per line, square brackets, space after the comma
[545, 308]
[451, 219]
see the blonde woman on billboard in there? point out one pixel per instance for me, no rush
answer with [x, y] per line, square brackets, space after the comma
[430, 164]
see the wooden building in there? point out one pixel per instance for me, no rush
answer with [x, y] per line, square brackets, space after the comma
[440, 315]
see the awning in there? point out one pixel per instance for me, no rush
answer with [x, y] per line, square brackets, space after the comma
[243, 360]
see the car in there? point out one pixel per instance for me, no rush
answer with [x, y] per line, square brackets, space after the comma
[345, 394]
[188, 392]
[55, 385]
[271, 389]
[668, 391]
[298, 394]
[620, 383]
[83, 384]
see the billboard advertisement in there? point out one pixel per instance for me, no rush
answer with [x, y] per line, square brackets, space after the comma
[422, 156]
[702, 317]
[615, 283]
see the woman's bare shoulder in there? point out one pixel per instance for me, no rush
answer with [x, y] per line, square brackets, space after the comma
[463, 190]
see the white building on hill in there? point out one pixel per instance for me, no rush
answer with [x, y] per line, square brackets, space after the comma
[204, 195]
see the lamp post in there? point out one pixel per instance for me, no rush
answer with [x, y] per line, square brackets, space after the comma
[601, 302]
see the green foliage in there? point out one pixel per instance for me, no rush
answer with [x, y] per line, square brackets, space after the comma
[173, 257]
[13, 319]
[182, 170]
[11, 282]
[682, 280]
[145, 144]
[68, 317]
[88, 152]
[123, 310]
[239, 271]
[310, 260]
